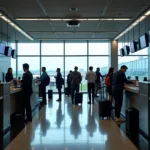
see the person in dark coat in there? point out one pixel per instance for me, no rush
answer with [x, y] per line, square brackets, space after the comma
[69, 83]
[9, 75]
[119, 79]
[27, 92]
[58, 78]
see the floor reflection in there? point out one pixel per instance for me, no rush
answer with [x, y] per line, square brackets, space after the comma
[62, 126]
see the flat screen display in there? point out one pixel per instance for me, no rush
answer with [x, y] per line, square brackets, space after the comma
[122, 52]
[8, 51]
[133, 47]
[144, 41]
[126, 50]
[2, 48]
[13, 53]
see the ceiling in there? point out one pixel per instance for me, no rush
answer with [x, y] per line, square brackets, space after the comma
[60, 9]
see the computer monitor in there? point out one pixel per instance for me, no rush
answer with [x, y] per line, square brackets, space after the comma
[13, 53]
[8, 51]
[144, 41]
[122, 52]
[126, 50]
[2, 48]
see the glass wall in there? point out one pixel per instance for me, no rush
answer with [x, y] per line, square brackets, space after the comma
[65, 55]
[137, 63]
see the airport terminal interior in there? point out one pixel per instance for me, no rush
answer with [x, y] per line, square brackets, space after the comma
[64, 34]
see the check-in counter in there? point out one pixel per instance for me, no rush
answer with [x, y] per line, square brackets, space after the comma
[139, 97]
[11, 103]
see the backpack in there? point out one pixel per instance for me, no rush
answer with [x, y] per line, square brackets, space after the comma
[46, 80]
[107, 81]
[75, 78]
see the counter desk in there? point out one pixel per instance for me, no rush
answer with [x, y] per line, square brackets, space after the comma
[11, 103]
[139, 97]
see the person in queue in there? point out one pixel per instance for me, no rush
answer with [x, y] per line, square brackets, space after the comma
[9, 75]
[119, 79]
[58, 78]
[27, 92]
[98, 81]
[76, 79]
[69, 83]
[109, 76]
[43, 85]
[91, 78]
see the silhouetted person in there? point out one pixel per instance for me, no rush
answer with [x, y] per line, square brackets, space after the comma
[27, 91]
[58, 78]
[76, 79]
[69, 83]
[98, 81]
[119, 79]
[43, 85]
[91, 78]
[9, 75]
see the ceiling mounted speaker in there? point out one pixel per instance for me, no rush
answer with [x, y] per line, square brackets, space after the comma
[73, 23]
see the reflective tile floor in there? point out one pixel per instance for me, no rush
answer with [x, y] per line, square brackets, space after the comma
[62, 126]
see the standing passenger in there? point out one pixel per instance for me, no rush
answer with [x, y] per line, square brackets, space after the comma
[69, 83]
[108, 82]
[58, 78]
[91, 77]
[27, 91]
[76, 79]
[119, 79]
[98, 81]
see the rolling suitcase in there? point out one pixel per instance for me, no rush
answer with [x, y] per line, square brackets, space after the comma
[132, 122]
[104, 109]
[50, 94]
[79, 97]
[66, 91]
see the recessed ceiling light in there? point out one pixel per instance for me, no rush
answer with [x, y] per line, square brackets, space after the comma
[73, 9]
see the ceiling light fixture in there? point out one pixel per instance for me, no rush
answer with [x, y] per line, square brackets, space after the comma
[73, 9]
[11, 23]
[66, 19]
[137, 21]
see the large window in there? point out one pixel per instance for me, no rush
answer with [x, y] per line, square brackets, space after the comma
[101, 62]
[64, 55]
[76, 48]
[34, 63]
[137, 64]
[28, 49]
[98, 48]
[51, 64]
[81, 63]
[52, 48]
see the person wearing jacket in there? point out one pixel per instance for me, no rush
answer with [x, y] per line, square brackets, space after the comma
[27, 91]
[98, 81]
[43, 86]
[91, 78]
[58, 78]
[9, 75]
[69, 83]
[119, 79]
[76, 79]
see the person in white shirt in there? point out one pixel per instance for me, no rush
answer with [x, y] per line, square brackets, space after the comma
[91, 78]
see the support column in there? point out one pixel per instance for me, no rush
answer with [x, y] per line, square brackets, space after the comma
[113, 55]
[149, 62]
